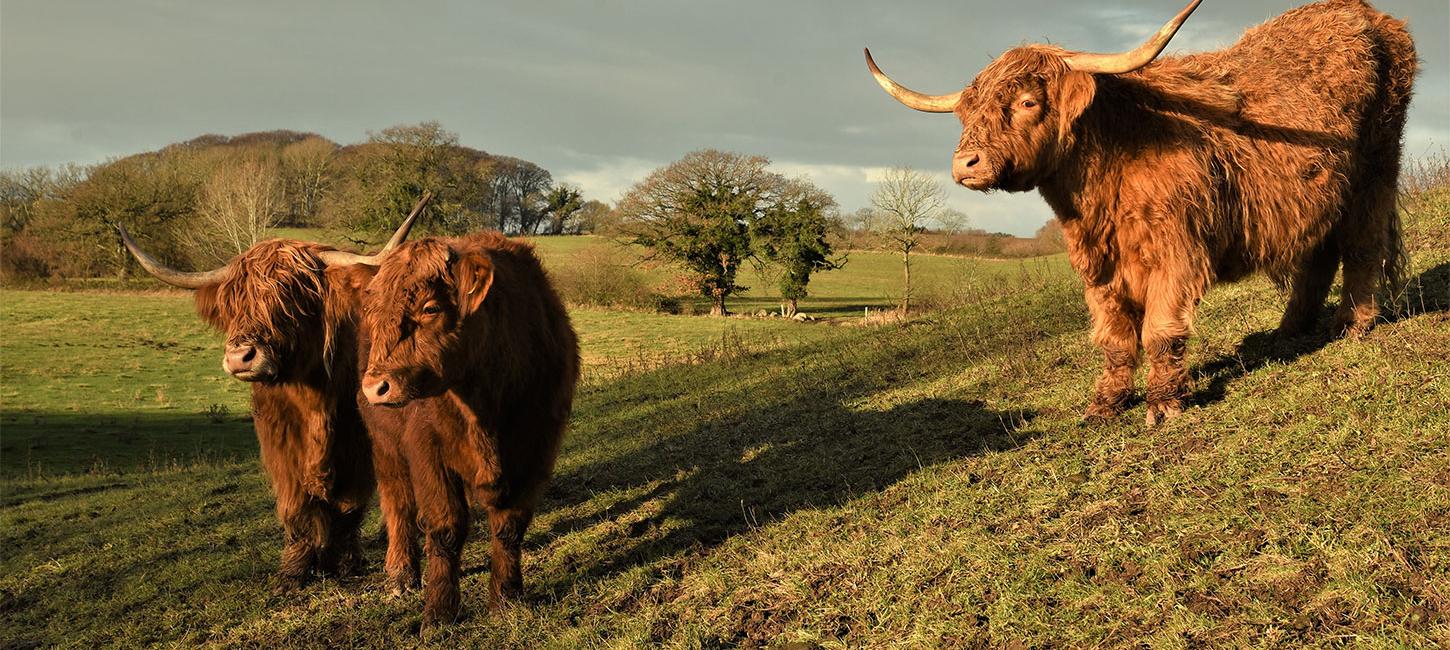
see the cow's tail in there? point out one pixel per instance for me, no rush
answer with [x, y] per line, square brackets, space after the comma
[1398, 66]
[1397, 259]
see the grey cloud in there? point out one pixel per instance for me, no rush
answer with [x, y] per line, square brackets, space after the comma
[591, 90]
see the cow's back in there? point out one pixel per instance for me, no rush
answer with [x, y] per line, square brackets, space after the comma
[1312, 68]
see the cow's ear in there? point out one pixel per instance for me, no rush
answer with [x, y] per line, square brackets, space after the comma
[355, 277]
[209, 307]
[1074, 93]
[472, 276]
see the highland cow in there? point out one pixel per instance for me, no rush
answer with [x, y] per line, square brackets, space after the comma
[289, 312]
[469, 339]
[1278, 154]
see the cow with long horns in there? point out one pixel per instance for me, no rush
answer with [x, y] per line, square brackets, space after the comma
[289, 312]
[1278, 154]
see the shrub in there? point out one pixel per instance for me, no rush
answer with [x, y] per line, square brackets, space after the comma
[595, 276]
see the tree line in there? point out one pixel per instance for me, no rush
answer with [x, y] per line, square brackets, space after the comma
[199, 202]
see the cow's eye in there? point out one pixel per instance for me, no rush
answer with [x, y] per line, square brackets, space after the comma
[1029, 103]
[432, 309]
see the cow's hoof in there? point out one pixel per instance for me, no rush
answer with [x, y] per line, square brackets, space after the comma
[352, 566]
[1352, 330]
[287, 584]
[1161, 412]
[502, 604]
[434, 617]
[403, 583]
[1098, 413]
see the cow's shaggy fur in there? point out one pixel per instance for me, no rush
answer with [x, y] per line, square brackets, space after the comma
[1279, 154]
[468, 338]
[279, 297]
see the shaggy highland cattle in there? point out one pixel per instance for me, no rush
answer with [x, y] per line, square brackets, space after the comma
[1279, 154]
[289, 311]
[469, 339]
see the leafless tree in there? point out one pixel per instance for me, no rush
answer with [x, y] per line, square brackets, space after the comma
[305, 167]
[904, 201]
[237, 208]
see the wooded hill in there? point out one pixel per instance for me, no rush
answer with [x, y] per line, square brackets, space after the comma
[198, 202]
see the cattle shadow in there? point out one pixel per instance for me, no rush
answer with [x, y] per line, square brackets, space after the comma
[738, 469]
[40, 443]
[1427, 293]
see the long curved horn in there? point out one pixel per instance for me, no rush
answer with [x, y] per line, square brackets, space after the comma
[344, 258]
[402, 233]
[173, 277]
[1135, 58]
[913, 99]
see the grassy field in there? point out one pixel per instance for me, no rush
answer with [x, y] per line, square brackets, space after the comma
[921, 485]
[97, 380]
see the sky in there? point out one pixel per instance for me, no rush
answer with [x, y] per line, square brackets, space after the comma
[599, 92]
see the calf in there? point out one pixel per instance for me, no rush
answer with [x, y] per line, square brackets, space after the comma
[469, 338]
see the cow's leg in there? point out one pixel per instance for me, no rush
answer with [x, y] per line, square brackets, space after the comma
[443, 516]
[506, 580]
[344, 547]
[400, 516]
[1311, 286]
[304, 530]
[1167, 319]
[1115, 332]
[1364, 248]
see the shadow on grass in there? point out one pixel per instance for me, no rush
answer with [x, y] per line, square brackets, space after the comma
[804, 439]
[45, 443]
[1427, 293]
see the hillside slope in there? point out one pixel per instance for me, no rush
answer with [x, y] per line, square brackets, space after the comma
[917, 486]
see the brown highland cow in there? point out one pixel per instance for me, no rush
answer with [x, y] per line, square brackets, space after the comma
[289, 311]
[469, 339]
[1279, 154]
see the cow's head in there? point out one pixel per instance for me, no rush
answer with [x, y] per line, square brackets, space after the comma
[1018, 114]
[272, 302]
[417, 306]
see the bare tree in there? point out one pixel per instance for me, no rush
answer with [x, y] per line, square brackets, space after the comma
[305, 168]
[953, 222]
[237, 208]
[904, 201]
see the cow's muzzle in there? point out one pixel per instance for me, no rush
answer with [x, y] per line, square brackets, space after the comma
[383, 389]
[973, 170]
[248, 362]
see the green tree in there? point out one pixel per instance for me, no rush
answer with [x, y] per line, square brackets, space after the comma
[560, 205]
[697, 212]
[791, 239]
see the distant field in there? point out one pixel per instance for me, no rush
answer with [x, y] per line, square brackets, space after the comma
[869, 279]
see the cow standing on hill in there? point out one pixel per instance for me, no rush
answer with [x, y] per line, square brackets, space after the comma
[289, 311]
[1280, 153]
[469, 338]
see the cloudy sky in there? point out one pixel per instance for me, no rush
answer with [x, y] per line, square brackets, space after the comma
[599, 92]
